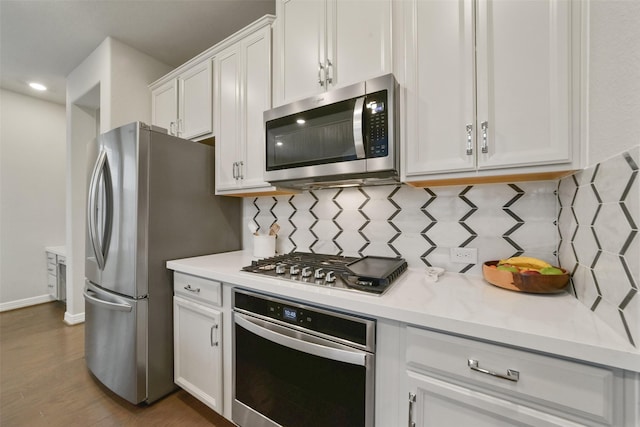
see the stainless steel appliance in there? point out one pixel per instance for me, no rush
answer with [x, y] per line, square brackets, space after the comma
[347, 136]
[370, 274]
[150, 199]
[298, 365]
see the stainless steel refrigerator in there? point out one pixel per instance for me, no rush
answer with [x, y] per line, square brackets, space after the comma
[150, 200]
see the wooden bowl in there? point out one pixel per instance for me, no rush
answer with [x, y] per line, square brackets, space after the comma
[523, 282]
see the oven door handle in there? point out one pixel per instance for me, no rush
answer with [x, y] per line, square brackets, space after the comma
[301, 341]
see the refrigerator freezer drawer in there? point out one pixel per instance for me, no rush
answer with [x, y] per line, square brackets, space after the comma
[115, 342]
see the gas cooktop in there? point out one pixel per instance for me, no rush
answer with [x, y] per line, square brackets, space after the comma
[369, 274]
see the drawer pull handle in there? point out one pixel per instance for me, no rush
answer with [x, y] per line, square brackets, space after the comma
[511, 374]
[190, 289]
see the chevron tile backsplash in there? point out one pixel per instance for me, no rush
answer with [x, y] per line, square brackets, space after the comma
[587, 223]
[420, 225]
[599, 242]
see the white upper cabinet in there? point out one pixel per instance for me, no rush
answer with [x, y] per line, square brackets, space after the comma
[507, 103]
[195, 96]
[243, 92]
[164, 106]
[524, 82]
[325, 44]
[183, 103]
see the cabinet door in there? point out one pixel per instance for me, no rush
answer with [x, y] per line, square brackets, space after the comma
[440, 403]
[524, 60]
[228, 114]
[164, 106]
[358, 42]
[439, 86]
[301, 49]
[197, 352]
[195, 106]
[257, 99]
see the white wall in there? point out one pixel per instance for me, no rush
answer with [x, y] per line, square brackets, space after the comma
[108, 89]
[614, 78]
[32, 194]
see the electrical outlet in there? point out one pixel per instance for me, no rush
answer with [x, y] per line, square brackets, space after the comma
[464, 255]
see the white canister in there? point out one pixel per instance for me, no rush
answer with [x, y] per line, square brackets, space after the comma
[264, 246]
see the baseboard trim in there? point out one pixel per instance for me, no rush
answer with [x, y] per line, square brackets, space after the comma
[21, 303]
[73, 319]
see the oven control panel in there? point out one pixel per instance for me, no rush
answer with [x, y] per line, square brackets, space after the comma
[290, 314]
[313, 319]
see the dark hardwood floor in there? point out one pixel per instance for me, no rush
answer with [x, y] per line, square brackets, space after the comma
[44, 380]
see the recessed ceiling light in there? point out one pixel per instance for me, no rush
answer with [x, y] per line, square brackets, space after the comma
[300, 121]
[37, 86]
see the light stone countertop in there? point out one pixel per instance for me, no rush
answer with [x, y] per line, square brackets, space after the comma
[457, 303]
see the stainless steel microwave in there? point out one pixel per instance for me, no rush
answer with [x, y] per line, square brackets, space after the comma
[344, 137]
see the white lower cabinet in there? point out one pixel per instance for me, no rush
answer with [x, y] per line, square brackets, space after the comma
[434, 402]
[197, 339]
[450, 380]
[56, 276]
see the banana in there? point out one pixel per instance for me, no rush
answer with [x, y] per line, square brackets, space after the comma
[525, 262]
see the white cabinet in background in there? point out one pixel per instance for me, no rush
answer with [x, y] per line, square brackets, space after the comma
[56, 276]
[197, 335]
[457, 381]
[488, 87]
[243, 93]
[164, 106]
[183, 104]
[325, 44]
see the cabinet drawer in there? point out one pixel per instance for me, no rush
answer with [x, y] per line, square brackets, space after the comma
[51, 258]
[205, 290]
[52, 282]
[585, 390]
[52, 269]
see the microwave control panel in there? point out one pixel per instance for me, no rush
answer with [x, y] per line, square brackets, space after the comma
[376, 124]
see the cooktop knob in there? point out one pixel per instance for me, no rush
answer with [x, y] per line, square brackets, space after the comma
[281, 269]
[306, 272]
[294, 270]
[330, 277]
[319, 273]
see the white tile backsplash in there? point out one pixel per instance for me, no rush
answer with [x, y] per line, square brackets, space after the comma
[421, 225]
[603, 237]
[587, 223]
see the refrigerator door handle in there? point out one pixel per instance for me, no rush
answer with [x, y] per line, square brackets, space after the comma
[106, 304]
[100, 246]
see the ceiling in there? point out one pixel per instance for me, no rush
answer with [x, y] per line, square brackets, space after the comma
[45, 40]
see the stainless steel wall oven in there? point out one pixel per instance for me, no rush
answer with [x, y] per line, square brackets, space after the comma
[297, 365]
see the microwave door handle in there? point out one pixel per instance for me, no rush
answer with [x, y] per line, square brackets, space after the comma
[358, 139]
